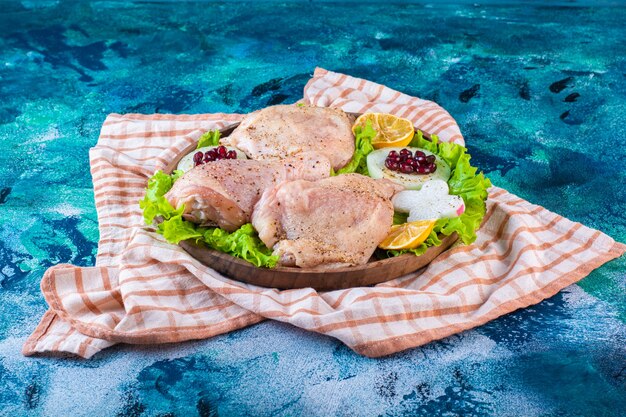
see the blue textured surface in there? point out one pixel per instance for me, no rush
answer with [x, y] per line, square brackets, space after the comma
[540, 94]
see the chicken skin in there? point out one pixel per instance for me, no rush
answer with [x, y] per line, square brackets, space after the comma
[286, 130]
[329, 223]
[224, 192]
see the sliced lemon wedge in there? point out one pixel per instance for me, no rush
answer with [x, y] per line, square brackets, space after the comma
[391, 130]
[408, 235]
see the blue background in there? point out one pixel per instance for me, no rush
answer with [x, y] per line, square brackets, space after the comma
[540, 95]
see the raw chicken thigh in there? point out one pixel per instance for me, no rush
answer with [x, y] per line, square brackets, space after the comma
[330, 223]
[224, 192]
[285, 130]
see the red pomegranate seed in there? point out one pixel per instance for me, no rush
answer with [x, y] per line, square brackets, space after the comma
[231, 155]
[406, 168]
[221, 151]
[392, 154]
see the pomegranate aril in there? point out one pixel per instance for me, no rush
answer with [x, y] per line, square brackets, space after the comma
[231, 155]
[407, 162]
[406, 168]
[406, 152]
[221, 151]
[197, 156]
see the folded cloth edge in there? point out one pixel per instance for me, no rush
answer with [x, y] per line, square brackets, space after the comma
[397, 344]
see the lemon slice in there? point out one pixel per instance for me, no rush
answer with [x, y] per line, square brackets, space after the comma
[408, 235]
[391, 130]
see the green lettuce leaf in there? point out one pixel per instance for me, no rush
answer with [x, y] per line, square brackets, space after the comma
[176, 229]
[399, 218]
[210, 138]
[243, 243]
[154, 204]
[363, 146]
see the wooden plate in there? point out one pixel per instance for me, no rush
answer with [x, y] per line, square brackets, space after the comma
[374, 272]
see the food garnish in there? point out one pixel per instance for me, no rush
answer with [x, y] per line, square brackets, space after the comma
[431, 202]
[464, 182]
[408, 235]
[214, 154]
[210, 138]
[363, 136]
[407, 163]
[410, 167]
[208, 154]
[391, 130]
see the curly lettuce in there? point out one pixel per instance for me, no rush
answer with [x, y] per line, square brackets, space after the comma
[243, 243]
[210, 138]
[363, 146]
[153, 203]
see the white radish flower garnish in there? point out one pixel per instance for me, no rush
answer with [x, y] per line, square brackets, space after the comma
[431, 202]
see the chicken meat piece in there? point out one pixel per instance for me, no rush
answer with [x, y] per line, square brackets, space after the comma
[224, 192]
[330, 223]
[285, 130]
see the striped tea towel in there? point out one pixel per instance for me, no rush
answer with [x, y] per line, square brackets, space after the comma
[144, 290]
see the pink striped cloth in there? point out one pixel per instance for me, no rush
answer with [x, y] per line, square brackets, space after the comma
[144, 290]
